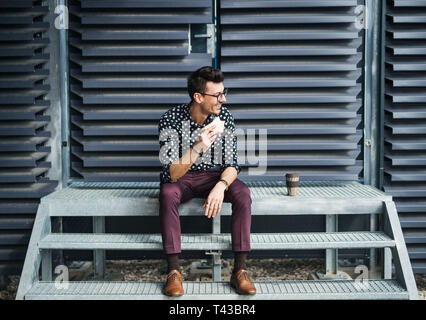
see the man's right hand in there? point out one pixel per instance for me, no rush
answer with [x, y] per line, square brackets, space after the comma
[207, 137]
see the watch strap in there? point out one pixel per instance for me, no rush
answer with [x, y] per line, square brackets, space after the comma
[226, 183]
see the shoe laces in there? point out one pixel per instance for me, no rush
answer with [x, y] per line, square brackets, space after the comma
[173, 276]
[245, 275]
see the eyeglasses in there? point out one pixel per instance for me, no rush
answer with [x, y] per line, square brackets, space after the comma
[217, 96]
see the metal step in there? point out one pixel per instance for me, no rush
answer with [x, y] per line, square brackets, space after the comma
[282, 290]
[271, 241]
[269, 198]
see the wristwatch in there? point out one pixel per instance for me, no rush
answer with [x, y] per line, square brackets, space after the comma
[226, 183]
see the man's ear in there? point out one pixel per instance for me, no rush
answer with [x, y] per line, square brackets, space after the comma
[198, 97]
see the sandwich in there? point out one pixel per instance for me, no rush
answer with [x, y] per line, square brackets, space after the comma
[220, 125]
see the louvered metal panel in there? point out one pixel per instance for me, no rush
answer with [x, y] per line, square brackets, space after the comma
[405, 121]
[128, 64]
[295, 69]
[23, 137]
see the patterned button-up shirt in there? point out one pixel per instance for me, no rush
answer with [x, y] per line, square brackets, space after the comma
[178, 132]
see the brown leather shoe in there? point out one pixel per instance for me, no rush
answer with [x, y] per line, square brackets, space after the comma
[173, 285]
[241, 282]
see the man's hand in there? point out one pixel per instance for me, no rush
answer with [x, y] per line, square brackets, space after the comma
[207, 137]
[215, 200]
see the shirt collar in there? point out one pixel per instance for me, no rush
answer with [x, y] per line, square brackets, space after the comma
[209, 119]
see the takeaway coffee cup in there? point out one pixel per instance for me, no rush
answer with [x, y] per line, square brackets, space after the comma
[292, 181]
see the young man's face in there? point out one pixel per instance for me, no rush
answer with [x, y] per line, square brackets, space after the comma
[211, 104]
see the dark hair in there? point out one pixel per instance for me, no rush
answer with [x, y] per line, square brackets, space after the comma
[197, 79]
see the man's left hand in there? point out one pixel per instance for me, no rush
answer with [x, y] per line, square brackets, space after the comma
[214, 201]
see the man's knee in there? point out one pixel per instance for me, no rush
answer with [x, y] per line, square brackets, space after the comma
[170, 192]
[240, 192]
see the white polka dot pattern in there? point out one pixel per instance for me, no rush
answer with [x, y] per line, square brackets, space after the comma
[177, 132]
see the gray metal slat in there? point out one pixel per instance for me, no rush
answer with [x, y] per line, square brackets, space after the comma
[94, 289]
[270, 287]
[300, 287]
[134, 289]
[356, 237]
[284, 289]
[386, 287]
[324, 288]
[102, 287]
[291, 288]
[346, 288]
[42, 289]
[264, 287]
[81, 290]
[194, 241]
[109, 288]
[335, 287]
[145, 4]
[277, 288]
[286, 4]
[372, 285]
[317, 287]
[190, 288]
[146, 289]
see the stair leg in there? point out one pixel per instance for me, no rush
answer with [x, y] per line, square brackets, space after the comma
[373, 251]
[99, 255]
[387, 263]
[403, 269]
[46, 265]
[331, 258]
[30, 271]
[331, 255]
[216, 258]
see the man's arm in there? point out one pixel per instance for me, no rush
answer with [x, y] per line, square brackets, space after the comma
[229, 175]
[230, 149]
[213, 204]
[182, 165]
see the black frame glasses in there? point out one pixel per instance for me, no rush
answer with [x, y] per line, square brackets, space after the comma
[224, 93]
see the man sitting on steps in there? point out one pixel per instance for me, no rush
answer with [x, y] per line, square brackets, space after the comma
[192, 173]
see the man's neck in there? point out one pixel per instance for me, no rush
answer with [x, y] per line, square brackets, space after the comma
[196, 114]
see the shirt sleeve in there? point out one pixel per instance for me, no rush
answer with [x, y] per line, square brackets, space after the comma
[169, 147]
[230, 146]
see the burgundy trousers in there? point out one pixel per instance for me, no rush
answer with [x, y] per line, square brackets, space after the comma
[198, 184]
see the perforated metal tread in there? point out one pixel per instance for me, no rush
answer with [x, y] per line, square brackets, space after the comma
[283, 290]
[264, 241]
[269, 198]
[259, 189]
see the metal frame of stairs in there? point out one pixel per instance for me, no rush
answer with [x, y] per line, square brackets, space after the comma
[330, 198]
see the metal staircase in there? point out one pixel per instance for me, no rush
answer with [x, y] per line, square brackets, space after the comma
[333, 198]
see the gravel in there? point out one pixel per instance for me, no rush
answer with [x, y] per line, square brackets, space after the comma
[154, 270]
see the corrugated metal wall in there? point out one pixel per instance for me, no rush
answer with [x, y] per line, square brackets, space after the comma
[125, 74]
[23, 138]
[295, 68]
[405, 121]
[128, 64]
